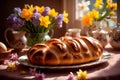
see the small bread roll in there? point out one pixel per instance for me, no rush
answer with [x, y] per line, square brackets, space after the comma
[3, 47]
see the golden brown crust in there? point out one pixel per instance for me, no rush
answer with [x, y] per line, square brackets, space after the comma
[65, 51]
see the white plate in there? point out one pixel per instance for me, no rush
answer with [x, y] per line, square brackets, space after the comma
[24, 60]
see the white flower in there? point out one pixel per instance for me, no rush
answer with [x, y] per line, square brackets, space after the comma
[83, 7]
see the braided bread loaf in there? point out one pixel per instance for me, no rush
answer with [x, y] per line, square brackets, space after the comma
[65, 51]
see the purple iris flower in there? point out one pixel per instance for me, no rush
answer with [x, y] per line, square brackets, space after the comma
[59, 19]
[17, 10]
[14, 21]
[35, 18]
[46, 11]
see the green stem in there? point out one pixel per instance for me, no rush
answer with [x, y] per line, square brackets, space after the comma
[102, 17]
[103, 8]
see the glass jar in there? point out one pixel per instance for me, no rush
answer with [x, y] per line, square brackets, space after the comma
[33, 38]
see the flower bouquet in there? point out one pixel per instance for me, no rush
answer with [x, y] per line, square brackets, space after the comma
[102, 9]
[95, 22]
[36, 21]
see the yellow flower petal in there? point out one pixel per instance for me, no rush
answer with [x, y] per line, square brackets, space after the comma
[40, 9]
[82, 75]
[53, 13]
[112, 13]
[27, 12]
[66, 20]
[44, 21]
[98, 4]
[11, 67]
[95, 14]
[87, 21]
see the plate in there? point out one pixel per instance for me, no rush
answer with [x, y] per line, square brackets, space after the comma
[24, 60]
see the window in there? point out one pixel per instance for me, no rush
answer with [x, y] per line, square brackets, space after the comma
[74, 13]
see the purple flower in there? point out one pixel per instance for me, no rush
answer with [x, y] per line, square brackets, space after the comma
[14, 21]
[39, 76]
[14, 56]
[17, 10]
[46, 11]
[59, 24]
[32, 71]
[71, 76]
[59, 19]
[35, 18]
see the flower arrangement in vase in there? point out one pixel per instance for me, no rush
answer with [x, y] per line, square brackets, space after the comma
[36, 21]
[95, 21]
[100, 11]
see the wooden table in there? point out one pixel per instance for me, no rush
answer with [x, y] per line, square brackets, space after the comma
[105, 71]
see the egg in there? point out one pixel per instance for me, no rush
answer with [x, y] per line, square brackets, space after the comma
[3, 47]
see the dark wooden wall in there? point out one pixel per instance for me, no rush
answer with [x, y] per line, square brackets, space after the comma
[118, 11]
[6, 8]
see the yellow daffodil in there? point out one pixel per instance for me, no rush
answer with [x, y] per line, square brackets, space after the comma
[65, 17]
[81, 75]
[98, 4]
[36, 19]
[93, 14]
[11, 67]
[114, 6]
[99, 12]
[44, 21]
[27, 12]
[40, 9]
[53, 13]
[109, 5]
[112, 13]
[99, 1]
[87, 21]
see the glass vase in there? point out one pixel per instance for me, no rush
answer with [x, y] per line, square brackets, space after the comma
[34, 38]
